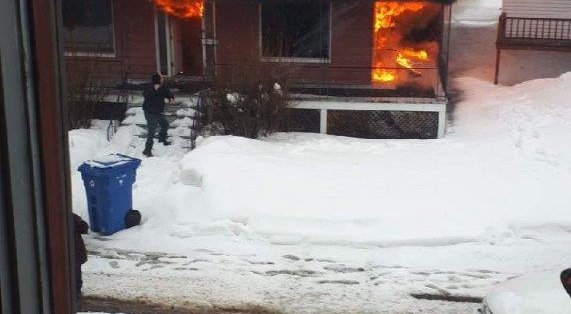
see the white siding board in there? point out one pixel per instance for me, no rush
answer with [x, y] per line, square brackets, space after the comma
[557, 9]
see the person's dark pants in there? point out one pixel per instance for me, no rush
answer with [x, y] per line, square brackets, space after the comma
[154, 120]
[78, 280]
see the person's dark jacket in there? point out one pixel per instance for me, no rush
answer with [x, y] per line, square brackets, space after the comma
[79, 227]
[155, 99]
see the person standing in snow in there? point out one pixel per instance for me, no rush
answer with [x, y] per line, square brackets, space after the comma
[153, 106]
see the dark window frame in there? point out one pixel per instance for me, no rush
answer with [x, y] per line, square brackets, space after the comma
[111, 53]
[294, 59]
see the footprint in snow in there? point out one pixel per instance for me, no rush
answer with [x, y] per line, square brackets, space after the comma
[341, 282]
[298, 272]
[291, 257]
[344, 269]
[437, 288]
[186, 269]
[260, 262]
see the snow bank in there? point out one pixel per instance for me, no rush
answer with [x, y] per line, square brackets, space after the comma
[502, 174]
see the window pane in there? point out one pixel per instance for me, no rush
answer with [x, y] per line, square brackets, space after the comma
[88, 26]
[295, 28]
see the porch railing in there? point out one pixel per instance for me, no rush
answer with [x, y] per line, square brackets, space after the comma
[328, 79]
[538, 30]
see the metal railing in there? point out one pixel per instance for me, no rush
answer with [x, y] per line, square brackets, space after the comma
[535, 28]
[198, 119]
[351, 81]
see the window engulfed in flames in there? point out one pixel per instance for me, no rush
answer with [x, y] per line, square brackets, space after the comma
[390, 56]
[185, 9]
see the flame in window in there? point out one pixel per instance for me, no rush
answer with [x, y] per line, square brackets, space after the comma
[185, 9]
[384, 20]
[383, 75]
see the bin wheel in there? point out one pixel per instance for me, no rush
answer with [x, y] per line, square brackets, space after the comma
[132, 218]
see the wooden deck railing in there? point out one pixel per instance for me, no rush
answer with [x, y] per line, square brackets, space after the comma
[530, 33]
[536, 28]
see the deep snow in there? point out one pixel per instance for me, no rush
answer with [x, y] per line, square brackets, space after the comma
[531, 294]
[501, 173]
[316, 223]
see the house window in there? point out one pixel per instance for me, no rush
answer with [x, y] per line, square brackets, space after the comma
[88, 27]
[295, 30]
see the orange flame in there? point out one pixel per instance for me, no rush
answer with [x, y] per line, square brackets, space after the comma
[386, 11]
[418, 54]
[185, 9]
[384, 75]
[405, 62]
[384, 18]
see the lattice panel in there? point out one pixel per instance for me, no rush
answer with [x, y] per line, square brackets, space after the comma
[301, 120]
[383, 124]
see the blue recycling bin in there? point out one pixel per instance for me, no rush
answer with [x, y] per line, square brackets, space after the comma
[108, 183]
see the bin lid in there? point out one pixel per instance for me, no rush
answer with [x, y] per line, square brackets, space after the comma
[110, 162]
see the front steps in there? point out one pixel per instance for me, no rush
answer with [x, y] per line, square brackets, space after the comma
[184, 117]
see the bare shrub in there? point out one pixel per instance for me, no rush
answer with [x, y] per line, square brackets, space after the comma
[87, 85]
[248, 100]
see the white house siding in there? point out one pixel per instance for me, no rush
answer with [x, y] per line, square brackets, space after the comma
[558, 9]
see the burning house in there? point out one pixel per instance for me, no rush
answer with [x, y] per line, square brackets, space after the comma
[134, 37]
[365, 68]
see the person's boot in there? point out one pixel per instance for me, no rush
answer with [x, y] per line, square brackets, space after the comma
[148, 150]
[165, 142]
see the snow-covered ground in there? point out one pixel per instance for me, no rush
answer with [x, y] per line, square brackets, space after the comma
[306, 223]
[316, 223]
[476, 13]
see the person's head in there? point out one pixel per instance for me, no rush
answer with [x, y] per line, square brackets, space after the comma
[156, 79]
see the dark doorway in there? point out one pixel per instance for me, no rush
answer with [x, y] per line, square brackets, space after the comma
[191, 42]
[162, 43]
[180, 48]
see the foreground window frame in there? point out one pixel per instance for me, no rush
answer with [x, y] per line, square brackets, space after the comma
[35, 203]
[296, 59]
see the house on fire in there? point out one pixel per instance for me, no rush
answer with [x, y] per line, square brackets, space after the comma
[365, 68]
[534, 25]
